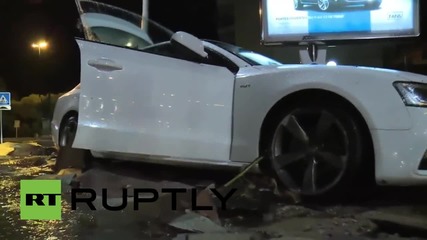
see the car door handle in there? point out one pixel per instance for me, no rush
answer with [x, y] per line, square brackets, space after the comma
[105, 64]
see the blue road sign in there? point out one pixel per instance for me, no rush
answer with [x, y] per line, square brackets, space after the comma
[5, 101]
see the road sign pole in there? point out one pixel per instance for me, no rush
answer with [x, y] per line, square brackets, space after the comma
[16, 125]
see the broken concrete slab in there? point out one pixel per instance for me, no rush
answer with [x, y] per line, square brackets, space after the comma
[155, 214]
[233, 236]
[70, 171]
[315, 227]
[194, 222]
[161, 210]
[205, 198]
[393, 221]
[295, 211]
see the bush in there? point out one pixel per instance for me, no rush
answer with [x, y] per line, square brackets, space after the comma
[31, 111]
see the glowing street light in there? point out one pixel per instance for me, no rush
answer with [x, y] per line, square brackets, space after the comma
[40, 45]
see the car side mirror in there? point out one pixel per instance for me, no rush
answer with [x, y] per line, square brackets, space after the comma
[190, 43]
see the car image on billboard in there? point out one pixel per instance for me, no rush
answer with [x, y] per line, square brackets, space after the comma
[337, 5]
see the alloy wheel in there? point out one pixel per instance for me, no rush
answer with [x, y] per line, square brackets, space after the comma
[323, 4]
[310, 151]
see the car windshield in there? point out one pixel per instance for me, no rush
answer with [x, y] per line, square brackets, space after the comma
[248, 56]
[113, 25]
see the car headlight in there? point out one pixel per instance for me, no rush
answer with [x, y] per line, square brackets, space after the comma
[413, 94]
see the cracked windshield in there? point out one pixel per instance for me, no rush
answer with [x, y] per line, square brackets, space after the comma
[213, 119]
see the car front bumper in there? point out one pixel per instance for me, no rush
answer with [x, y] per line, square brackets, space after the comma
[401, 154]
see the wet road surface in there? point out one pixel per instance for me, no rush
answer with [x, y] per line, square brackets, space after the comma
[316, 221]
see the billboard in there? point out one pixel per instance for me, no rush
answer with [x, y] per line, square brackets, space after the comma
[323, 20]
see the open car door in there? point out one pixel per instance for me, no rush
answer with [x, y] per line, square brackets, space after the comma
[135, 100]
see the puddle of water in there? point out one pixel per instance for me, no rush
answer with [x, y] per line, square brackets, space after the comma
[74, 224]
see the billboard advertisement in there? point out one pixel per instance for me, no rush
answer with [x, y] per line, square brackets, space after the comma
[322, 20]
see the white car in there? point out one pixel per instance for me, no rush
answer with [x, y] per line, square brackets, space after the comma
[321, 129]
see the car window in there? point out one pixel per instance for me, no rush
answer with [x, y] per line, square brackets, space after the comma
[112, 25]
[119, 38]
[168, 50]
[115, 26]
[214, 58]
[248, 56]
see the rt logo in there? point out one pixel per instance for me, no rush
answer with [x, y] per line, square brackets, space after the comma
[41, 200]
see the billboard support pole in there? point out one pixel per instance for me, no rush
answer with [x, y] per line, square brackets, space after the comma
[313, 53]
[145, 14]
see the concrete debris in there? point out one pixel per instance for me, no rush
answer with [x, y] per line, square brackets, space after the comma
[205, 198]
[194, 222]
[70, 171]
[294, 211]
[392, 222]
[326, 227]
[235, 236]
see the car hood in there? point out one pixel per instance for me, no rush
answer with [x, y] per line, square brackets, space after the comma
[370, 72]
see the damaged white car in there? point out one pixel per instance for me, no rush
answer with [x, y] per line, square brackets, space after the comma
[150, 95]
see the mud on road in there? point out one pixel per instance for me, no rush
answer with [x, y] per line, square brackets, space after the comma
[391, 213]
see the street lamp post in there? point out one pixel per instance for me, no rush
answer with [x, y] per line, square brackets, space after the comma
[40, 45]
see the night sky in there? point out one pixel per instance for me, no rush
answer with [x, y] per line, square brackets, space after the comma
[57, 69]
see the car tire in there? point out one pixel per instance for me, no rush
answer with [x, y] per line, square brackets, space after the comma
[69, 157]
[324, 5]
[298, 5]
[317, 149]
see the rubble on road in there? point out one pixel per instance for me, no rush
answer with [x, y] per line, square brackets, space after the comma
[295, 211]
[393, 222]
[194, 222]
[313, 227]
[236, 236]
[258, 197]
[160, 211]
